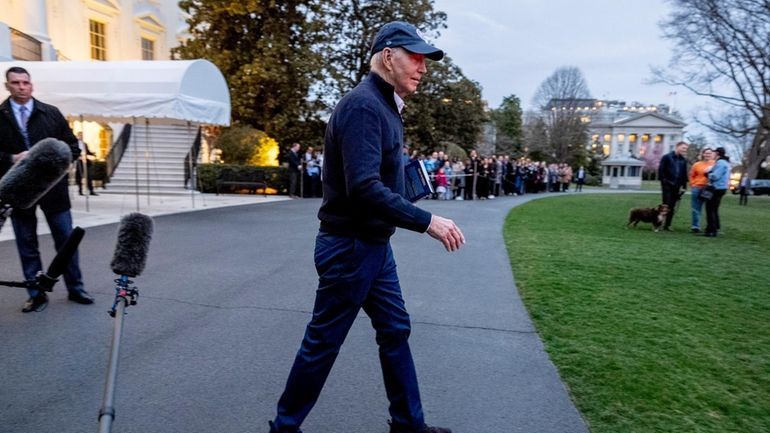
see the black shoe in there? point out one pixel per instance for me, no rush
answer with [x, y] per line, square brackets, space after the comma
[424, 429]
[80, 192]
[695, 230]
[668, 229]
[273, 430]
[93, 193]
[36, 303]
[81, 297]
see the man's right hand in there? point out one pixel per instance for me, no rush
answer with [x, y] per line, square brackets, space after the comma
[16, 157]
[447, 232]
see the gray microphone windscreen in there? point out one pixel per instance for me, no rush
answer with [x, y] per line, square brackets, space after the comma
[133, 243]
[28, 180]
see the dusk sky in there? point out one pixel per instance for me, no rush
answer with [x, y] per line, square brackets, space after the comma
[511, 46]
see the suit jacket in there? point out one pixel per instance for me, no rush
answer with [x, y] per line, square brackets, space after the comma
[44, 121]
[294, 162]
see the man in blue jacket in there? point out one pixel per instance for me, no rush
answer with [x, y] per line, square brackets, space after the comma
[673, 175]
[363, 203]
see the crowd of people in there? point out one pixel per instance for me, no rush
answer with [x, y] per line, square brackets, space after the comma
[492, 176]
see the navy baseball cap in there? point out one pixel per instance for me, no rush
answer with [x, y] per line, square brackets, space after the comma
[401, 34]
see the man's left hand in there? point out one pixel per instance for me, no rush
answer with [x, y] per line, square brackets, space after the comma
[447, 232]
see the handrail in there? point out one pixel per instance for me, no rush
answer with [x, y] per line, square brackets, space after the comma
[118, 149]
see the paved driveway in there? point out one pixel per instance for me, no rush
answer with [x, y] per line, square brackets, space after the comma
[223, 304]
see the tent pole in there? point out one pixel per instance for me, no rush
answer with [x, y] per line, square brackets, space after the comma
[84, 167]
[190, 166]
[147, 155]
[136, 163]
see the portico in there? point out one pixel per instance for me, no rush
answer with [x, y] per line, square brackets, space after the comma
[632, 144]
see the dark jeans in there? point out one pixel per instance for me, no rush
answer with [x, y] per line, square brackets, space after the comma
[670, 197]
[25, 229]
[712, 211]
[353, 274]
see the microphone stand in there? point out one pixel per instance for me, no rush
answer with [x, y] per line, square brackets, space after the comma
[124, 297]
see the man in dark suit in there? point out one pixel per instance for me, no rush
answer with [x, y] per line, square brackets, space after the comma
[84, 170]
[24, 121]
[294, 169]
[673, 175]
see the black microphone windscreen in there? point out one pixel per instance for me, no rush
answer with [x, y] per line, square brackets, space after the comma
[28, 180]
[133, 243]
[64, 255]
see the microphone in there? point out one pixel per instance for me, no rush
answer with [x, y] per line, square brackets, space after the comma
[134, 236]
[46, 281]
[27, 181]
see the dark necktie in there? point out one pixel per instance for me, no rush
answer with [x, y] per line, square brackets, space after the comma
[24, 117]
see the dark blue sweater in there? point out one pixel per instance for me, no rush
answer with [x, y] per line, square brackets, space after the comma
[363, 171]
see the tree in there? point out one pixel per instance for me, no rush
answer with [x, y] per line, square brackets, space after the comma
[722, 51]
[566, 132]
[350, 27]
[447, 108]
[508, 121]
[265, 51]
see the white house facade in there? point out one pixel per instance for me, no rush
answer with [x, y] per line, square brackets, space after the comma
[631, 137]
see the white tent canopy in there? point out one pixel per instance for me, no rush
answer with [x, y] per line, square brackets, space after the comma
[189, 90]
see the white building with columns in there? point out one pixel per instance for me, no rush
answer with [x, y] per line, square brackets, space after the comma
[631, 137]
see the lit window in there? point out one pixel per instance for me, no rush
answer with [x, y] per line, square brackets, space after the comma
[148, 49]
[98, 40]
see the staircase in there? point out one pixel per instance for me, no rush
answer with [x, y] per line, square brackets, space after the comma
[154, 160]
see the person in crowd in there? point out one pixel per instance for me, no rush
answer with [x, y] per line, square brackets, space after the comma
[743, 189]
[566, 177]
[719, 179]
[472, 167]
[698, 181]
[314, 175]
[510, 175]
[580, 179]
[672, 172]
[362, 206]
[499, 175]
[482, 180]
[81, 171]
[521, 177]
[552, 176]
[295, 170]
[442, 184]
[24, 121]
[458, 170]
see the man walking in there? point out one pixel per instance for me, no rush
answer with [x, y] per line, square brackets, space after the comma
[363, 203]
[23, 122]
[673, 174]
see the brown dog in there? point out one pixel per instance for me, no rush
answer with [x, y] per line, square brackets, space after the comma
[654, 215]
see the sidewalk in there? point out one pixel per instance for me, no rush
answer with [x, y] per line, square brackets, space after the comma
[106, 208]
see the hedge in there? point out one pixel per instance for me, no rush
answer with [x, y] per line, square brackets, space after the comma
[277, 177]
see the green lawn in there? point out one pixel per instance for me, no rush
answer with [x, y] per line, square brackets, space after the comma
[652, 332]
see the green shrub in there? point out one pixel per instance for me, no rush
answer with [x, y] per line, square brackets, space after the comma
[239, 144]
[277, 177]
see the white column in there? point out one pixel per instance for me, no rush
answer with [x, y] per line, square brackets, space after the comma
[35, 19]
[664, 143]
[626, 144]
[614, 143]
[5, 43]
